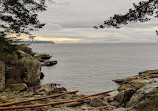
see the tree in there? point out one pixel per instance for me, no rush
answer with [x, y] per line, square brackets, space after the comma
[141, 12]
[20, 16]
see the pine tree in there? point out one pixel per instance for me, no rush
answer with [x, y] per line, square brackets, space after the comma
[141, 12]
[18, 17]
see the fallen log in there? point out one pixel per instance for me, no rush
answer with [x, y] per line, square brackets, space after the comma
[4, 101]
[24, 101]
[54, 103]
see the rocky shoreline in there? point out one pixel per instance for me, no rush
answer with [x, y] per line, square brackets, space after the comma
[137, 93]
[20, 80]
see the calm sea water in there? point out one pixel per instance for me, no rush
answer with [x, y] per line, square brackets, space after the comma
[90, 68]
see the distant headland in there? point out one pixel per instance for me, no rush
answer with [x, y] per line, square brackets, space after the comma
[38, 42]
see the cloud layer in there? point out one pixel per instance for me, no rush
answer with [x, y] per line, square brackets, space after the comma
[73, 21]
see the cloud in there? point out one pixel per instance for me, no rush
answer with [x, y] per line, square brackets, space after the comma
[74, 21]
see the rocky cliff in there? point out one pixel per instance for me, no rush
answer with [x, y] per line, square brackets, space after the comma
[20, 67]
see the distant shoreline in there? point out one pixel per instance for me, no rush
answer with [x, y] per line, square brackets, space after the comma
[37, 42]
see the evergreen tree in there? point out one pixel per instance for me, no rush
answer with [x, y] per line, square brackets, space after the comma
[141, 12]
[18, 17]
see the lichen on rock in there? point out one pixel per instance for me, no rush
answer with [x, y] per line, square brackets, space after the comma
[142, 96]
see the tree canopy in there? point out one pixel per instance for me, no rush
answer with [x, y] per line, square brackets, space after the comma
[141, 12]
[20, 16]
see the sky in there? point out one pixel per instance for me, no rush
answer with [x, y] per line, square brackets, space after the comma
[72, 21]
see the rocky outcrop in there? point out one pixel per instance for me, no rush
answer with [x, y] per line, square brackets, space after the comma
[18, 87]
[49, 63]
[95, 102]
[145, 98]
[22, 54]
[120, 109]
[140, 92]
[26, 49]
[138, 81]
[124, 96]
[2, 76]
[25, 70]
[42, 56]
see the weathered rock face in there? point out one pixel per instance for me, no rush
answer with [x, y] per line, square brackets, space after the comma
[18, 87]
[47, 88]
[2, 76]
[145, 89]
[25, 70]
[22, 54]
[124, 96]
[97, 102]
[27, 49]
[120, 109]
[145, 97]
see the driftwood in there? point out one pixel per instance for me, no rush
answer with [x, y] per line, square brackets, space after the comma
[4, 101]
[24, 101]
[54, 103]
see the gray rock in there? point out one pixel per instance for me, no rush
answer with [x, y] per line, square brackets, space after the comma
[42, 56]
[26, 70]
[2, 76]
[116, 104]
[95, 102]
[120, 109]
[49, 63]
[124, 96]
[65, 109]
[22, 54]
[47, 88]
[26, 49]
[142, 94]
[33, 71]
[18, 87]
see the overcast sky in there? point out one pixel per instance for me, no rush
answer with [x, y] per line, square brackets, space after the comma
[72, 21]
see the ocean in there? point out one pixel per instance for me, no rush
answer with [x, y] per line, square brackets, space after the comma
[90, 68]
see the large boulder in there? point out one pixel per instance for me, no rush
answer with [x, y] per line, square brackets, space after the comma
[145, 99]
[2, 76]
[25, 70]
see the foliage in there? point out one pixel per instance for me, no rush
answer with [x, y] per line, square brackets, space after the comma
[20, 16]
[141, 12]
[17, 17]
[7, 44]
